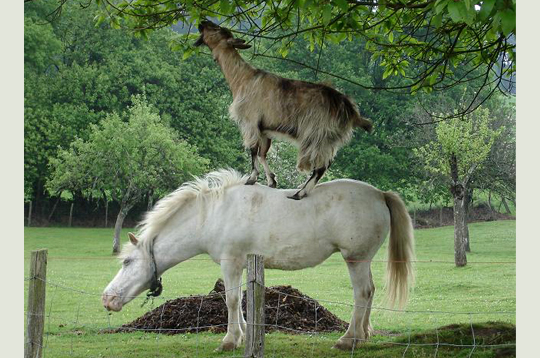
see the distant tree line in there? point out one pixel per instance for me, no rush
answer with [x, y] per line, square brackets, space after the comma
[82, 79]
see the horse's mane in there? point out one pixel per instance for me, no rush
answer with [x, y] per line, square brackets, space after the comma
[210, 187]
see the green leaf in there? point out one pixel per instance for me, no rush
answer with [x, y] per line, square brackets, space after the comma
[485, 9]
[342, 4]
[440, 5]
[187, 53]
[225, 6]
[327, 14]
[391, 36]
[387, 72]
[436, 20]
[508, 21]
[454, 9]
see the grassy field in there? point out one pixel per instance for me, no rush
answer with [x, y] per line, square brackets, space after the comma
[80, 266]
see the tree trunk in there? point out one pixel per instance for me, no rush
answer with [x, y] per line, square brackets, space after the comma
[70, 214]
[459, 232]
[441, 216]
[490, 205]
[106, 212]
[118, 228]
[508, 212]
[150, 201]
[53, 210]
[467, 201]
[458, 193]
[29, 213]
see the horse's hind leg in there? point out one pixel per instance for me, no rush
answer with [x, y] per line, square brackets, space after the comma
[263, 150]
[232, 276]
[363, 289]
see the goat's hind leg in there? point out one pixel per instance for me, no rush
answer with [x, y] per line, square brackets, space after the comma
[263, 150]
[254, 165]
[310, 184]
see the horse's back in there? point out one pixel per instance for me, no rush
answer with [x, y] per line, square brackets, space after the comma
[341, 215]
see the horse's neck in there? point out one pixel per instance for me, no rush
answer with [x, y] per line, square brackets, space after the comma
[178, 241]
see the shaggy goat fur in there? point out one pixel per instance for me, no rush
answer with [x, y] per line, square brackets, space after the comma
[315, 117]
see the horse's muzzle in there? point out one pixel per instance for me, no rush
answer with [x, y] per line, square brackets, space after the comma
[111, 302]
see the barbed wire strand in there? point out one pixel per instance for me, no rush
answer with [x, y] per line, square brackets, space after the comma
[473, 336]
[277, 317]
[314, 335]
[76, 324]
[437, 333]
[408, 337]
[198, 318]
[49, 316]
[424, 261]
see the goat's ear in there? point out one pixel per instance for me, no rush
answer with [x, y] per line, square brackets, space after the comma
[238, 43]
[133, 239]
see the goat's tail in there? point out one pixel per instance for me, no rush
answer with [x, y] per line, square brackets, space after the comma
[363, 123]
[399, 271]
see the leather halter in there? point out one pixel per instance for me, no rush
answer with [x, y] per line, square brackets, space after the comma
[155, 285]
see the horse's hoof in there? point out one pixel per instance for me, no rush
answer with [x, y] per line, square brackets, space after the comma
[251, 182]
[228, 346]
[343, 346]
[273, 185]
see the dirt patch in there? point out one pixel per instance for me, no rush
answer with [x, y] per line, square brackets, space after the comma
[502, 335]
[286, 309]
[445, 216]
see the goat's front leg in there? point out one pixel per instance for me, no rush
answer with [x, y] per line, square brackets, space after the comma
[254, 166]
[263, 150]
[310, 184]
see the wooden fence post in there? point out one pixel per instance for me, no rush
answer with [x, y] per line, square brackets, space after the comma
[35, 313]
[255, 307]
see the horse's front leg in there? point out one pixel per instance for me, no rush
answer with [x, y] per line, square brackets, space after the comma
[232, 277]
[359, 329]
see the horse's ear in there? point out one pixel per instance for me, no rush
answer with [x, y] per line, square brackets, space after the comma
[133, 239]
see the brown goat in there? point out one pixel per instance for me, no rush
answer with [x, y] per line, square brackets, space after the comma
[315, 117]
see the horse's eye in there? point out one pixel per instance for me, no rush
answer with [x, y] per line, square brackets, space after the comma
[127, 262]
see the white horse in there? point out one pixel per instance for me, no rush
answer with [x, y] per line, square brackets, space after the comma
[220, 216]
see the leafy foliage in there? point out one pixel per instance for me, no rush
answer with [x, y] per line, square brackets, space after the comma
[439, 36]
[468, 139]
[126, 158]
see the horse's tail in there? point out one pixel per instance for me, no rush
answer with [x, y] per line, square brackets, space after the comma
[399, 271]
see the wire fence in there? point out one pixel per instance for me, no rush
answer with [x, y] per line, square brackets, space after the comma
[97, 337]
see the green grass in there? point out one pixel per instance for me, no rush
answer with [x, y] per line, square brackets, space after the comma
[80, 259]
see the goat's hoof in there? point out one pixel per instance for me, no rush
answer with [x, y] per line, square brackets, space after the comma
[295, 197]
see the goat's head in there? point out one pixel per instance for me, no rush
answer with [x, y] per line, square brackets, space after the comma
[213, 35]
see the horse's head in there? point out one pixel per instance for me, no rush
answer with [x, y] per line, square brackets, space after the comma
[138, 273]
[213, 35]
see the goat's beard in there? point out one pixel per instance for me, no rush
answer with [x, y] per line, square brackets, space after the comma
[199, 41]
